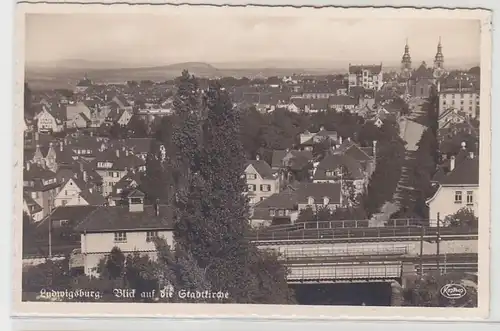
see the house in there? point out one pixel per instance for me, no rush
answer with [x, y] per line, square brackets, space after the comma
[421, 82]
[367, 76]
[339, 168]
[457, 189]
[261, 182]
[293, 159]
[318, 195]
[307, 139]
[83, 85]
[41, 185]
[50, 120]
[32, 208]
[78, 116]
[460, 95]
[119, 116]
[76, 192]
[132, 228]
[138, 146]
[279, 208]
[123, 187]
[311, 105]
[342, 102]
[114, 163]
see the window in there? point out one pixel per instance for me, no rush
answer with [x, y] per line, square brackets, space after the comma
[329, 173]
[262, 198]
[326, 201]
[272, 212]
[34, 195]
[281, 212]
[64, 202]
[120, 237]
[251, 176]
[310, 201]
[470, 198]
[252, 187]
[150, 235]
[458, 196]
[265, 188]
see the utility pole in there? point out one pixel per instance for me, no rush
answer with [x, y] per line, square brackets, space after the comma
[421, 271]
[49, 219]
[438, 238]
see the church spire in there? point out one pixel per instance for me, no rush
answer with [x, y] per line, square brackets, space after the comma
[439, 58]
[406, 60]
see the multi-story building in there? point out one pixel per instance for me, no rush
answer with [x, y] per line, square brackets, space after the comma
[131, 228]
[367, 76]
[41, 185]
[461, 96]
[261, 183]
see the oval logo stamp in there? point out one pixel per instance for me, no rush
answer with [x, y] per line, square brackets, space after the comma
[453, 291]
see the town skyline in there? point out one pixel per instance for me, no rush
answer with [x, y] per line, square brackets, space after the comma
[126, 41]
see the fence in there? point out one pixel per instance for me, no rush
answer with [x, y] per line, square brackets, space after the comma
[339, 252]
[356, 233]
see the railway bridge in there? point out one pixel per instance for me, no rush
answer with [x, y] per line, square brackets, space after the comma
[327, 254]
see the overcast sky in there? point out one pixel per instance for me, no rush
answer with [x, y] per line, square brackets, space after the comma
[145, 39]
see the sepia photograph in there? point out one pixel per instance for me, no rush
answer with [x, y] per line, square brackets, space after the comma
[184, 155]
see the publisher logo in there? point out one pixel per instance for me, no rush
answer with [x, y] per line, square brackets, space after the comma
[453, 291]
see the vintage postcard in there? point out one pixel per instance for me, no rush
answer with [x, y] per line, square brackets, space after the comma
[252, 161]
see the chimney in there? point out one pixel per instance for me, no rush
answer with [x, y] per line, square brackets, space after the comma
[464, 145]
[75, 175]
[471, 155]
[257, 157]
[117, 153]
[85, 177]
[349, 139]
[452, 163]
[157, 207]
[340, 140]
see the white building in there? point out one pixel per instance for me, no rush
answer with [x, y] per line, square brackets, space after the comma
[460, 98]
[130, 228]
[458, 189]
[367, 76]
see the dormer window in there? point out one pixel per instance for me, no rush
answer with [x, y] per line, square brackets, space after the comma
[326, 201]
[310, 201]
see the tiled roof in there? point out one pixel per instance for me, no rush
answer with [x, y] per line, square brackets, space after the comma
[342, 100]
[277, 158]
[72, 213]
[466, 172]
[120, 218]
[138, 145]
[93, 198]
[123, 160]
[332, 162]
[263, 168]
[318, 191]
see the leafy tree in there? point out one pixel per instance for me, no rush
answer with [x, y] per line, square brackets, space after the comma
[463, 218]
[115, 263]
[50, 275]
[427, 292]
[206, 163]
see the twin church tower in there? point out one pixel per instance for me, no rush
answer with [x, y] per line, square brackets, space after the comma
[406, 69]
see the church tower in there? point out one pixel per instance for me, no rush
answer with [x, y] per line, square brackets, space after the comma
[439, 58]
[406, 62]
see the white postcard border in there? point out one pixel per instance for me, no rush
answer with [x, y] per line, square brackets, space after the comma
[244, 310]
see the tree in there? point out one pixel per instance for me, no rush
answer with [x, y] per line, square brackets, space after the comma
[115, 263]
[427, 292]
[205, 160]
[463, 218]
